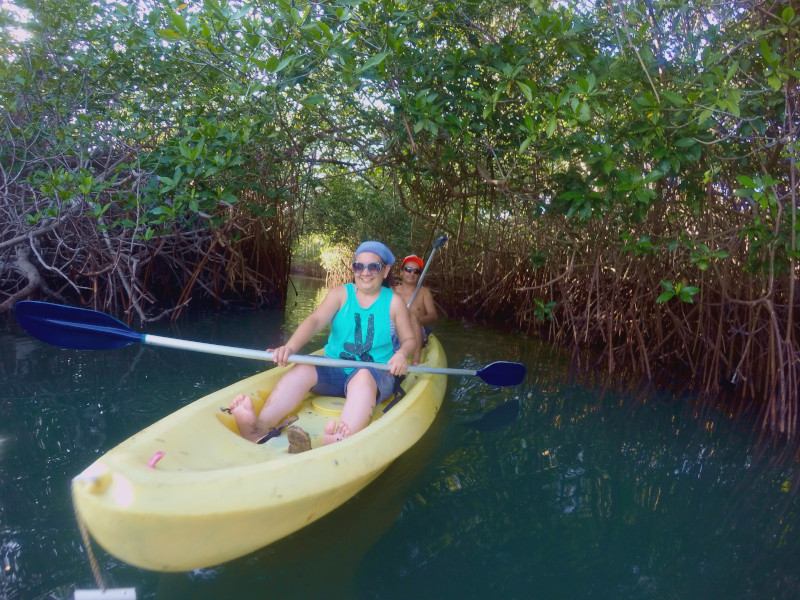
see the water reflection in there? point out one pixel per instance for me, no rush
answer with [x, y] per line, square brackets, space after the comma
[547, 490]
[586, 497]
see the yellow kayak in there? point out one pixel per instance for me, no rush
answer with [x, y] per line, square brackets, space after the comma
[188, 492]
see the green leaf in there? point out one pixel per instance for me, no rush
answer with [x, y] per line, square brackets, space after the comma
[179, 23]
[690, 289]
[529, 123]
[272, 64]
[526, 91]
[665, 297]
[373, 61]
[168, 34]
[732, 70]
[584, 115]
[653, 175]
[767, 53]
[674, 98]
[276, 66]
[685, 142]
[312, 100]
[746, 181]
[787, 14]
[551, 126]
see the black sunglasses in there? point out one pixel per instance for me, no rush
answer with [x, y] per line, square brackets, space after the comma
[410, 270]
[373, 267]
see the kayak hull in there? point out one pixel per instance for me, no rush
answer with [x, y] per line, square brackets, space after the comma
[213, 496]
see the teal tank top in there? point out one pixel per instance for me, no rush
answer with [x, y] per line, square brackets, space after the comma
[363, 334]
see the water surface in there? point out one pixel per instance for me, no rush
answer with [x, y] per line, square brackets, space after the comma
[551, 490]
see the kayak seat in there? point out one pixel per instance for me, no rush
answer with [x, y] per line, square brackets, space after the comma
[331, 406]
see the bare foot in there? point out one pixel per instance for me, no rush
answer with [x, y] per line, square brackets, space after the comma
[335, 433]
[245, 415]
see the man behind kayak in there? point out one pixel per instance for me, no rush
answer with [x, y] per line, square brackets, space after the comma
[422, 309]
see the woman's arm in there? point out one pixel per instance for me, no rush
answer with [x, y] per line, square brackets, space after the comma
[311, 325]
[405, 333]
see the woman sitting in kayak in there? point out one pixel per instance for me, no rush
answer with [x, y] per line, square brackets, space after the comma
[363, 316]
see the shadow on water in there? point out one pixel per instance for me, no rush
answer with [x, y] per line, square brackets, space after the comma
[547, 490]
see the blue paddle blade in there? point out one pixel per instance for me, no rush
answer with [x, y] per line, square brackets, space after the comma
[503, 373]
[74, 328]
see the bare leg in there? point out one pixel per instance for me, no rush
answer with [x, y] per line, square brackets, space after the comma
[418, 337]
[284, 400]
[362, 391]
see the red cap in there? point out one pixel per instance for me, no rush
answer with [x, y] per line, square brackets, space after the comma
[413, 258]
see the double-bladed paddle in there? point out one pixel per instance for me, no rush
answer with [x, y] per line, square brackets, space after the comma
[85, 329]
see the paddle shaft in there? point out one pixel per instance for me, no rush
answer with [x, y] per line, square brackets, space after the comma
[436, 244]
[85, 329]
[165, 342]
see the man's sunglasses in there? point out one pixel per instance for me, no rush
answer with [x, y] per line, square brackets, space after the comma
[373, 267]
[410, 270]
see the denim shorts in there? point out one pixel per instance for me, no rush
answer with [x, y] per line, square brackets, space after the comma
[332, 381]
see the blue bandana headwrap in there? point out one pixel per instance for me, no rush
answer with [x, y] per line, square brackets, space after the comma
[377, 248]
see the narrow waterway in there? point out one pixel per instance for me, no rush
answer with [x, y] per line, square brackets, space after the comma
[550, 490]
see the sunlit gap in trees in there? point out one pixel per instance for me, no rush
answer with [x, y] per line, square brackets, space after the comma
[18, 15]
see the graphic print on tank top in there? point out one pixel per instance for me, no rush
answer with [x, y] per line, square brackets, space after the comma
[359, 348]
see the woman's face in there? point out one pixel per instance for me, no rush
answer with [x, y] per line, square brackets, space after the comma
[367, 272]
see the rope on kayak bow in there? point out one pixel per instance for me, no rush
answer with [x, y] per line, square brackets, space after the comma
[87, 541]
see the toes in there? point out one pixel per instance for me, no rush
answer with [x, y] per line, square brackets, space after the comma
[242, 402]
[332, 433]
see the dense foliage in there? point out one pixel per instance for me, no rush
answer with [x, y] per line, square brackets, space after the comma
[620, 177]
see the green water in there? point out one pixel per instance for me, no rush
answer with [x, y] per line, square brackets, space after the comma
[550, 490]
